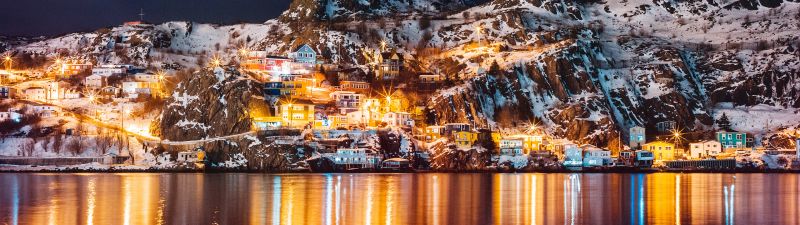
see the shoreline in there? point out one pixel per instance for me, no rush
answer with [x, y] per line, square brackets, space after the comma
[127, 169]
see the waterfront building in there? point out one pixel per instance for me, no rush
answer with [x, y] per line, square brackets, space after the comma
[704, 149]
[731, 141]
[661, 150]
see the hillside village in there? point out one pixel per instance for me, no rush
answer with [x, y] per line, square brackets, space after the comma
[258, 107]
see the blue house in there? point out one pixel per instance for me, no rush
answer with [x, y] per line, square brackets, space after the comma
[732, 140]
[304, 54]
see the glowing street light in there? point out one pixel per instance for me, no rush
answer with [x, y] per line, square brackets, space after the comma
[215, 61]
[383, 46]
[9, 61]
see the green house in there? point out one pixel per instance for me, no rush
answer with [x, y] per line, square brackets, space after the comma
[732, 139]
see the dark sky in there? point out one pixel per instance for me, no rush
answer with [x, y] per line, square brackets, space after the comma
[55, 17]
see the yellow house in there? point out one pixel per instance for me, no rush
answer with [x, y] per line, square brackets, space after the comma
[297, 113]
[433, 133]
[530, 142]
[465, 139]
[661, 150]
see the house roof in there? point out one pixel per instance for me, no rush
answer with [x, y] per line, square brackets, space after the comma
[296, 49]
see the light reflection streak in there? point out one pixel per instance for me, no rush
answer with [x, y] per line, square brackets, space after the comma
[126, 188]
[338, 198]
[435, 204]
[368, 216]
[533, 199]
[728, 195]
[678, 199]
[389, 201]
[276, 200]
[640, 183]
[53, 208]
[328, 198]
[517, 193]
[572, 191]
[91, 202]
[15, 201]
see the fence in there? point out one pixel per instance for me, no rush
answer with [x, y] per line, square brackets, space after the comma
[703, 164]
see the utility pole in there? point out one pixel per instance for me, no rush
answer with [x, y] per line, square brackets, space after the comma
[141, 15]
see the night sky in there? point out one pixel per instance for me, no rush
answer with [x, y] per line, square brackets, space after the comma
[56, 17]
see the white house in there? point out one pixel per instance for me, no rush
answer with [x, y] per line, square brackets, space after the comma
[95, 81]
[637, 137]
[4, 116]
[705, 149]
[109, 70]
[596, 157]
[36, 94]
[134, 88]
[398, 119]
[511, 146]
[145, 77]
[45, 111]
[347, 101]
[71, 94]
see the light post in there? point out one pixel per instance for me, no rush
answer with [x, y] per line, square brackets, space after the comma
[479, 30]
[9, 62]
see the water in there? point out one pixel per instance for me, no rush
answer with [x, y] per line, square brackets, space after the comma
[660, 198]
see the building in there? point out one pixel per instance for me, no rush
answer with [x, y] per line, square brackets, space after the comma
[69, 69]
[71, 93]
[134, 88]
[297, 113]
[452, 128]
[559, 146]
[45, 111]
[390, 65]
[465, 139]
[636, 137]
[36, 94]
[5, 92]
[661, 150]
[705, 149]
[665, 126]
[146, 77]
[304, 54]
[272, 65]
[797, 147]
[14, 116]
[573, 156]
[530, 142]
[511, 146]
[191, 156]
[429, 81]
[95, 81]
[347, 101]
[732, 140]
[433, 132]
[355, 86]
[398, 119]
[109, 70]
[594, 157]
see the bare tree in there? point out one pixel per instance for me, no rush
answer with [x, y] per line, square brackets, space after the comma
[45, 142]
[27, 146]
[104, 141]
[58, 141]
[75, 146]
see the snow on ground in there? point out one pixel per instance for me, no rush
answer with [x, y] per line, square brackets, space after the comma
[759, 119]
[518, 162]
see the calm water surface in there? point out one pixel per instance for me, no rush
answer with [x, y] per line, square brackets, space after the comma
[661, 198]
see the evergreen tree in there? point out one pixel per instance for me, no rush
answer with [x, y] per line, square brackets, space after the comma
[724, 123]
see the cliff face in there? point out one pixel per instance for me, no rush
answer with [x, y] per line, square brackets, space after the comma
[209, 104]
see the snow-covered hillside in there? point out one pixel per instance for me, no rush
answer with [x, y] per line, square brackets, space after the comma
[579, 68]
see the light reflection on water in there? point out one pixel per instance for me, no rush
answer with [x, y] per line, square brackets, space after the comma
[661, 198]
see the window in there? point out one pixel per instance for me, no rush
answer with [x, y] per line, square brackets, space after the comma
[738, 137]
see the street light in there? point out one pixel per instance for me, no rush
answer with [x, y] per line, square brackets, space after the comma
[9, 62]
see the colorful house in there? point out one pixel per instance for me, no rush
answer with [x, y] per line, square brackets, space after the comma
[465, 139]
[511, 146]
[355, 86]
[304, 54]
[530, 142]
[732, 140]
[661, 150]
[390, 64]
[637, 137]
[433, 132]
[398, 119]
[296, 113]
